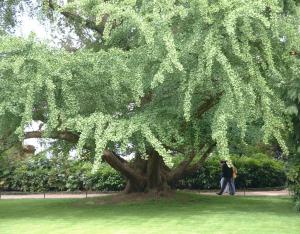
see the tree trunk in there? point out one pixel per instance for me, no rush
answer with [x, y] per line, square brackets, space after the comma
[142, 175]
[156, 174]
[152, 175]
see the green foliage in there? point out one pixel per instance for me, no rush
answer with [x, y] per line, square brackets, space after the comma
[7, 13]
[9, 161]
[294, 178]
[177, 53]
[59, 173]
[106, 179]
[291, 94]
[256, 171]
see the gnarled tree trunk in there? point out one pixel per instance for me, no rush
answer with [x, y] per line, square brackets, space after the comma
[152, 175]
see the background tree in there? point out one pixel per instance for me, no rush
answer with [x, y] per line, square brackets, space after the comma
[166, 78]
[292, 96]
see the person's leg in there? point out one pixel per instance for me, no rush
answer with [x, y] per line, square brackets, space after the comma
[234, 189]
[225, 182]
[227, 190]
[231, 186]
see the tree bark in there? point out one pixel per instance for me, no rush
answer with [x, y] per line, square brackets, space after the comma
[62, 135]
[156, 178]
[152, 175]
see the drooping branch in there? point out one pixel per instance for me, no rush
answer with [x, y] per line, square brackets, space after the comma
[174, 150]
[208, 104]
[195, 167]
[147, 98]
[62, 135]
[177, 172]
[113, 160]
[79, 19]
[122, 167]
[183, 168]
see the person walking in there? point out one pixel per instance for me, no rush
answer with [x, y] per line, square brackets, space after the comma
[227, 174]
[234, 175]
[226, 190]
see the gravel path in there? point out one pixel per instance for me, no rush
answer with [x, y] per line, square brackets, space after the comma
[51, 195]
[254, 193]
[84, 195]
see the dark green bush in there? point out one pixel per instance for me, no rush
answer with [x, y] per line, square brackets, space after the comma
[107, 179]
[60, 173]
[258, 171]
[293, 174]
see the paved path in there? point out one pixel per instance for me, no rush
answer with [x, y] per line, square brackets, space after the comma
[84, 195]
[52, 195]
[254, 193]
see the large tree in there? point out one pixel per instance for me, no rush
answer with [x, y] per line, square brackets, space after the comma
[161, 78]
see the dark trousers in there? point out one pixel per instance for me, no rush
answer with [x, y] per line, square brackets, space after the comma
[230, 184]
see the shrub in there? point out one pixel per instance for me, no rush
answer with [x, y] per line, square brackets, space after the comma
[293, 174]
[257, 171]
[60, 173]
[107, 179]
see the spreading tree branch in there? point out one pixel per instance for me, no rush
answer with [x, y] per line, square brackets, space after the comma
[208, 104]
[176, 173]
[79, 19]
[195, 167]
[122, 167]
[62, 135]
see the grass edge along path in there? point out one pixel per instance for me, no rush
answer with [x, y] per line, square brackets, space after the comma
[28, 195]
[180, 213]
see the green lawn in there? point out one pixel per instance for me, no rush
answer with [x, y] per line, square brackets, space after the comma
[184, 213]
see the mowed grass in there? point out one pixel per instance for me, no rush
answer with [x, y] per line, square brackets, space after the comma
[182, 213]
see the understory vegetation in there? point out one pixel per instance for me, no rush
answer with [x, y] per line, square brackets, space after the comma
[61, 173]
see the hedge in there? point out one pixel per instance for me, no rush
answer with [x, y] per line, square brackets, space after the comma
[39, 173]
[293, 174]
[257, 171]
